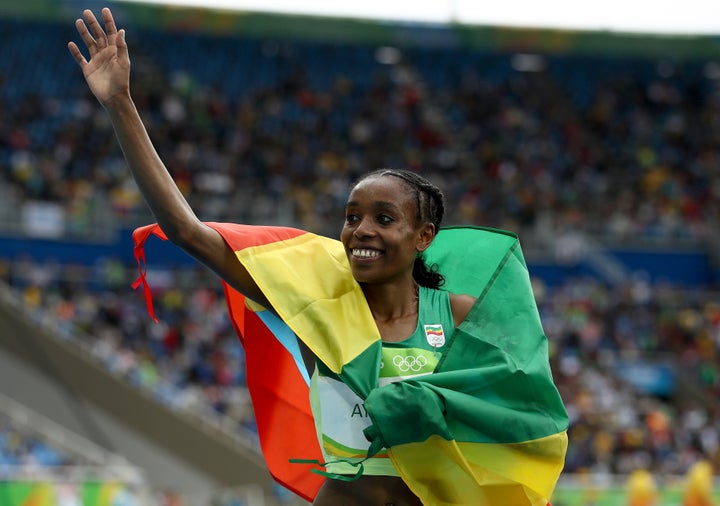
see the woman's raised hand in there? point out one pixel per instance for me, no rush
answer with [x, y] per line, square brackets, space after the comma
[108, 71]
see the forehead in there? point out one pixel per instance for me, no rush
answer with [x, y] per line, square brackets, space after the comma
[388, 189]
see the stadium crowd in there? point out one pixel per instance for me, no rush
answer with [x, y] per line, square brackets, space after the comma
[274, 132]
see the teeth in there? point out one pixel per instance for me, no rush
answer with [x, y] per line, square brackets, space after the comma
[365, 253]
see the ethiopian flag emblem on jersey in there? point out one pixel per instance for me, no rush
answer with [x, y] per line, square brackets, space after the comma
[435, 335]
[486, 428]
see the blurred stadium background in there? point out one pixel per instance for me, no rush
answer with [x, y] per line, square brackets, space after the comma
[601, 149]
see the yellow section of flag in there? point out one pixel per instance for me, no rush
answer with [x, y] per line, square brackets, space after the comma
[481, 474]
[329, 309]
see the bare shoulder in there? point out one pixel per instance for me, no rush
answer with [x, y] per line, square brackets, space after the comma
[460, 304]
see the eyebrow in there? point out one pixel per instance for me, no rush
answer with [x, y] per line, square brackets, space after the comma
[381, 205]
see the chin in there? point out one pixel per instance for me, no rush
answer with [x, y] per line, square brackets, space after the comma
[362, 277]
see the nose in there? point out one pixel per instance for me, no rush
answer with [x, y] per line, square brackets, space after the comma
[365, 228]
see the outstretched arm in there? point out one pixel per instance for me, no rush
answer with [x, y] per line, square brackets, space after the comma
[108, 75]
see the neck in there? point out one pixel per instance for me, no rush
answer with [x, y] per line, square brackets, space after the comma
[392, 302]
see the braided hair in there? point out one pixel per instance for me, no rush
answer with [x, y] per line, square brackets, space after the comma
[430, 209]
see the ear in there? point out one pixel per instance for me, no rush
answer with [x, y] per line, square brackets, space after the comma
[425, 237]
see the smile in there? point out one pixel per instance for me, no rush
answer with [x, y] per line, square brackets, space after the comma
[365, 253]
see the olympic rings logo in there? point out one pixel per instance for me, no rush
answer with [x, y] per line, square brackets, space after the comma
[410, 363]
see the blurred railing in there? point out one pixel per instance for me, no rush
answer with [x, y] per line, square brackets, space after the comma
[97, 470]
[206, 421]
[113, 466]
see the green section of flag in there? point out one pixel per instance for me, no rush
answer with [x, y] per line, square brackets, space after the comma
[494, 383]
[361, 374]
[490, 416]
[468, 257]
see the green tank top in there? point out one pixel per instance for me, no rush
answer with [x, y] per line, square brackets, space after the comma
[339, 414]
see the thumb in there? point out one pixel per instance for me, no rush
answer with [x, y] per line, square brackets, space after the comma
[122, 47]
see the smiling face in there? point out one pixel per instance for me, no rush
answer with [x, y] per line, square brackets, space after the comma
[382, 234]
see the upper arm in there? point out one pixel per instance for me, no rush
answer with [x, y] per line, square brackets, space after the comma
[460, 305]
[209, 247]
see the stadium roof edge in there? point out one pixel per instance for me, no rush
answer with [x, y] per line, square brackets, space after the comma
[402, 34]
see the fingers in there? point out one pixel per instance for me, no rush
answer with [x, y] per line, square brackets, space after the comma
[92, 34]
[95, 38]
[75, 52]
[122, 49]
[115, 36]
[85, 36]
[109, 22]
[96, 30]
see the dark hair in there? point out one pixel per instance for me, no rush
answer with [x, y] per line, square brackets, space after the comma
[430, 209]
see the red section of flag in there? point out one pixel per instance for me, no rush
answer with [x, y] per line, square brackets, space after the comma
[140, 236]
[279, 393]
[247, 236]
[280, 400]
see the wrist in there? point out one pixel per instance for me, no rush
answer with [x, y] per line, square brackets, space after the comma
[118, 102]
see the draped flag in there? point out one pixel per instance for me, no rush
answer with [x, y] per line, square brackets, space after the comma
[487, 428]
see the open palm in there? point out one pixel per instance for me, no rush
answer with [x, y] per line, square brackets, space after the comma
[108, 71]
